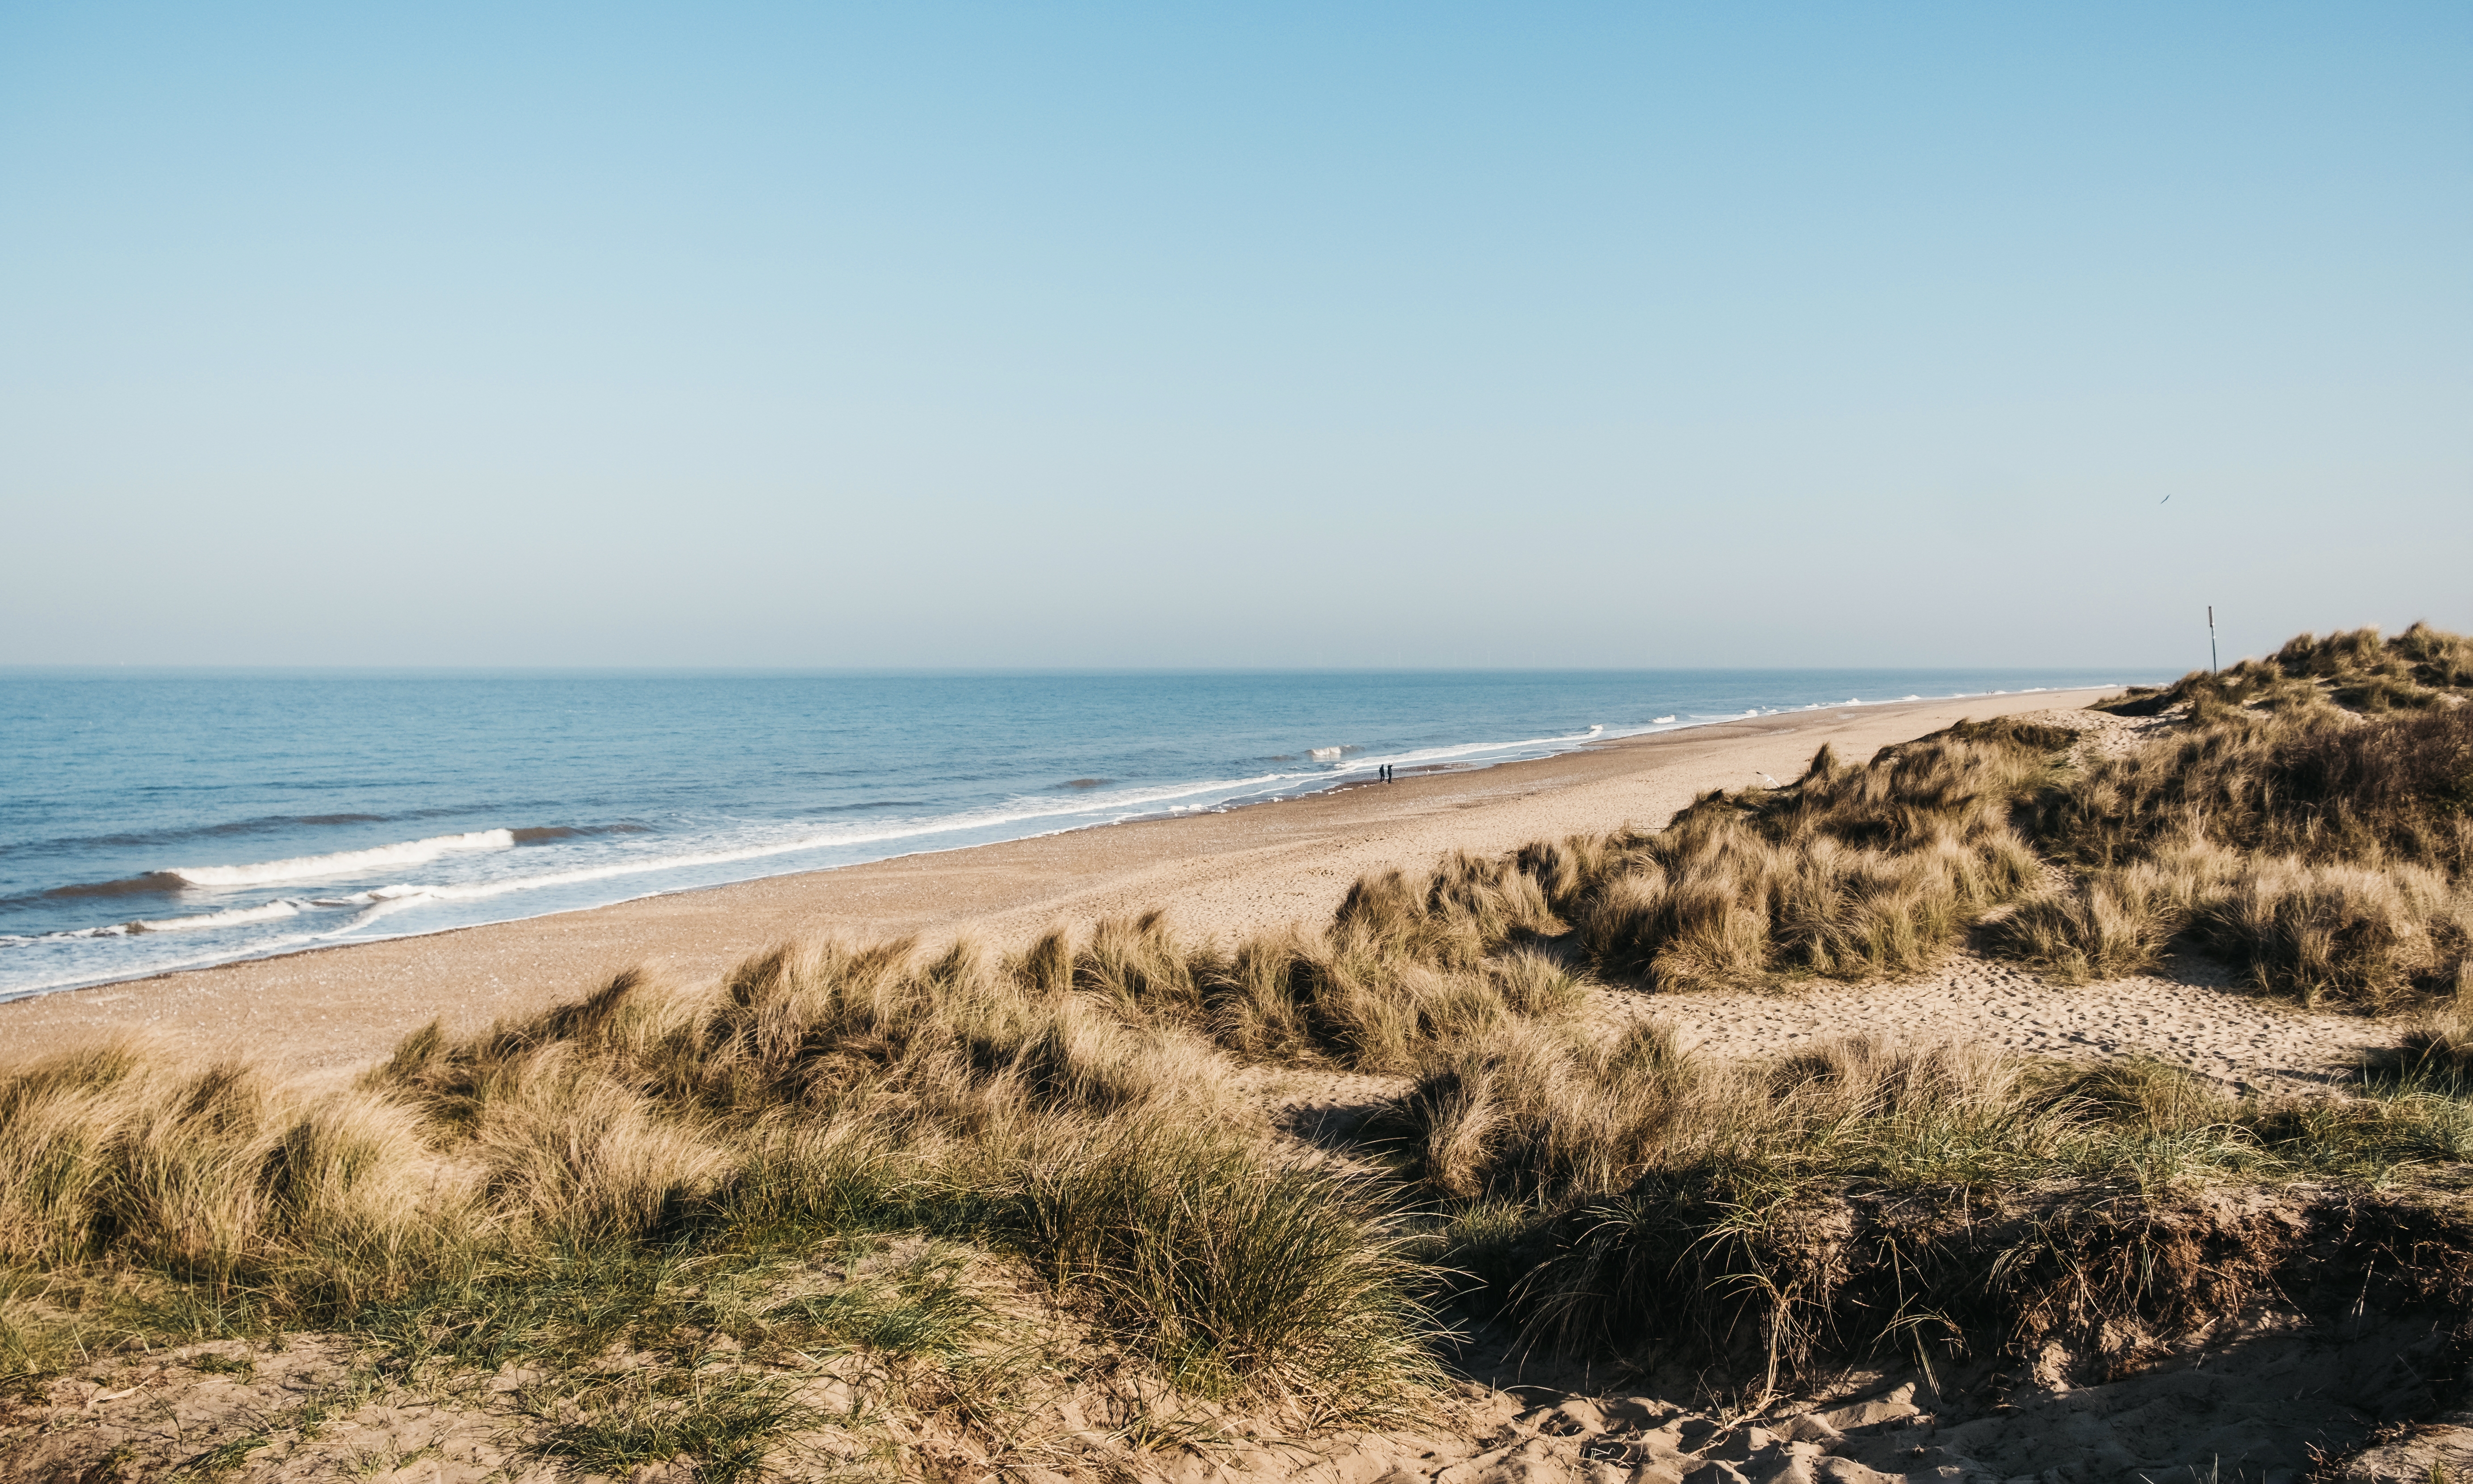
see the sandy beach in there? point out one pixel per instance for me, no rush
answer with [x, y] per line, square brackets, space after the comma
[332, 1010]
[1238, 872]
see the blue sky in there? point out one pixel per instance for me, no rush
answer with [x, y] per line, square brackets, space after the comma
[1045, 335]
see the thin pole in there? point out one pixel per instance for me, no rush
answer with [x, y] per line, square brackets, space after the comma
[2213, 663]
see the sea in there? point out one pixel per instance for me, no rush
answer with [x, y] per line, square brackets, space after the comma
[162, 819]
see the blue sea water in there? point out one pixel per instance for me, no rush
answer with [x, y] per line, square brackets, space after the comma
[165, 820]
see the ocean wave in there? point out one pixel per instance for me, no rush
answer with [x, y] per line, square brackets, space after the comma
[153, 883]
[342, 863]
[236, 917]
[542, 834]
[265, 823]
[1423, 754]
[231, 916]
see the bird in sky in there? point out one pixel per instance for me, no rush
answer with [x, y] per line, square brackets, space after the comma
[2167, 500]
[1765, 778]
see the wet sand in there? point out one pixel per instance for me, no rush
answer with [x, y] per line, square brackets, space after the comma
[332, 1010]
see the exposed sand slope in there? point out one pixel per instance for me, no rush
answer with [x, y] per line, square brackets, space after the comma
[2191, 1015]
[2266, 1400]
[1263, 867]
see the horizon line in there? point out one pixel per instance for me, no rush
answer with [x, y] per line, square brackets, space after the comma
[89, 668]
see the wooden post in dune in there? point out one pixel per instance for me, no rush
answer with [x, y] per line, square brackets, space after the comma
[2213, 663]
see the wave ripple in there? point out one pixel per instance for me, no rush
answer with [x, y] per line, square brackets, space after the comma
[342, 864]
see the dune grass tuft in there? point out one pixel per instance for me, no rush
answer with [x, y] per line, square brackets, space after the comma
[2419, 668]
[1638, 1202]
[2323, 853]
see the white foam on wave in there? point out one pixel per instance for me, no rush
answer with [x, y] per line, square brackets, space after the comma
[1423, 754]
[236, 916]
[79, 981]
[343, 863]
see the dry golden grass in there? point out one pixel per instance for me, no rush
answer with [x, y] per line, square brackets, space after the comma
[1070, 1106]
[1852, 872]
[2356, 669]
[2321, 851]
[539, 1195]
[1634, 1201]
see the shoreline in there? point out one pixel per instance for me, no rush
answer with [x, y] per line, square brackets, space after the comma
[1225, 873]
[1446, 760]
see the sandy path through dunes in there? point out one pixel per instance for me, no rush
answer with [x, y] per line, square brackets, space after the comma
[2189, 1015]
[1227, 873]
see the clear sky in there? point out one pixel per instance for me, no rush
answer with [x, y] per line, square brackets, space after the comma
[1243, 335]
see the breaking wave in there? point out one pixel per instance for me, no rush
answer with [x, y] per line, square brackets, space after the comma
[342, 863]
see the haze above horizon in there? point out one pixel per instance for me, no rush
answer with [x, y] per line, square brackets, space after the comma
[1090, 338]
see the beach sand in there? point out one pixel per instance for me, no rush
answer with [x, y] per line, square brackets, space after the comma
[331, 1011]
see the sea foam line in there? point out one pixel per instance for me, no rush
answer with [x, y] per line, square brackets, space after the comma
[201, 921]
[342, 863]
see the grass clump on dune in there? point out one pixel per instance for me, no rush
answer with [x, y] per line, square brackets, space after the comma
[1228, 1270]
[2321, 851]
[1850, 872]
[2355, 669]
[1634, 1201]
